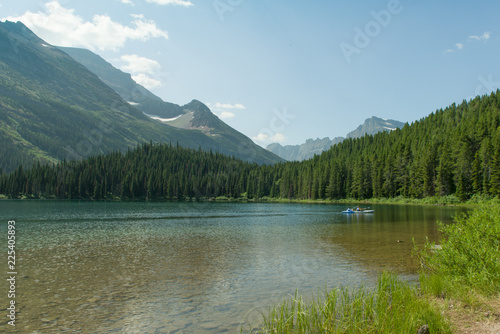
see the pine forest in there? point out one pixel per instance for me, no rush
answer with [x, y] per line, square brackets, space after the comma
[451, 152]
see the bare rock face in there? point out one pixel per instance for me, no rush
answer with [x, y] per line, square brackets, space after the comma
[306, 151]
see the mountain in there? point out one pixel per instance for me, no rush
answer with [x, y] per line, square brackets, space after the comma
[53, 108]
[124, 85]
[304, 151]
[449, 156]
[311, 147]
[375, 125]
[193, 116]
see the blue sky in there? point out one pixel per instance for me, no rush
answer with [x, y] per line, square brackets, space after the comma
[287, 70]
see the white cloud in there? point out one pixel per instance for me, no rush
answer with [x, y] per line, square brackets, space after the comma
[171, 2]
[127, 2]
[226, 114]
[460, 46]
[276, 138]
[261, 137]
[225, 110]
[61, 26]
[226, 106]
[137, 64]
[142, 68]
[146, 81]
[229, 106]
[484, 37]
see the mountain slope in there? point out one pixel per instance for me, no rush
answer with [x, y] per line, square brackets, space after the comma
[304, 151]
[311, 147]
[53, 108]
[375, 125]
[123, 84]
[47, 101]
[193, 116]
[453, 153]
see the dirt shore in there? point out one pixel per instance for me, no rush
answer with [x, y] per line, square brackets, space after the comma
[465, 319]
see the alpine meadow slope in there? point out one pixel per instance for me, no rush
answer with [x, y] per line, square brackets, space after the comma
[52, 108]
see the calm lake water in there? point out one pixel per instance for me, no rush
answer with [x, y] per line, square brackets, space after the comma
[194, 267]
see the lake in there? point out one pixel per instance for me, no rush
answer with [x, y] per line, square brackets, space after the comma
[95, 267]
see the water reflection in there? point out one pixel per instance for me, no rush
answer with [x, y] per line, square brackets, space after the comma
[194, 268]
[384, 240]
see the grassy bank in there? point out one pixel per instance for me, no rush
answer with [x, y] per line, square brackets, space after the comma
[393, 307]
[469, 256]
[459, 280]
[435, 200]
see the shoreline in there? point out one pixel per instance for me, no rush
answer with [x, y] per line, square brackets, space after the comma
[428, 201]
[459, 290]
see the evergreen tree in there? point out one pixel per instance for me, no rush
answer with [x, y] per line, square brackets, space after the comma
[452, 151]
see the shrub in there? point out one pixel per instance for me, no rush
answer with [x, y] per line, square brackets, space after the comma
[470, 253]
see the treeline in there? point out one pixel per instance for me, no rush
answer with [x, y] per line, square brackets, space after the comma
[151, 171]
[455, 151]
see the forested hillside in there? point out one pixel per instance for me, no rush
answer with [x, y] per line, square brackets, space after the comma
[52, 108]
[452, 151]
[455, 151]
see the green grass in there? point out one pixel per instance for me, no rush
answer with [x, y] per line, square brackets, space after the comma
[393, 306]
[474, 201]
[466, 268]
[469, 258]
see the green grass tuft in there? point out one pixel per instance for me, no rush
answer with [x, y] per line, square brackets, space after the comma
[469, 258]
[393, 307]
[466, 268]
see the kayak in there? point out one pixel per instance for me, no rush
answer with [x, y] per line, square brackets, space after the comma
[360, 211]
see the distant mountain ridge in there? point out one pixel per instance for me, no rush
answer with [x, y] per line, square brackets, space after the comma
[311, 147]
[53, 108]
[304, 151]
[375, 125]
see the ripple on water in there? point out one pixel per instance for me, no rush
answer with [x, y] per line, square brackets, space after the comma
[182, 268]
